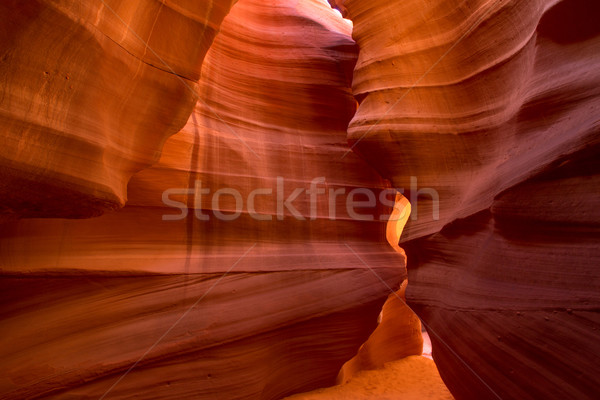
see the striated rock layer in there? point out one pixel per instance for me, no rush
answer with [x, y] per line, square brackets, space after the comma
[486, 114]
[90, 92]
[188, 294]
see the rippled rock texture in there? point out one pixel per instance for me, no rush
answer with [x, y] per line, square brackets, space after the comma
[90, 92]
[208, 284]
[486, 113]
[179, 295]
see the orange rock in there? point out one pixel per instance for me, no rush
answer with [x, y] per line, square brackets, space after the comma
[398, 335]
[452, 98]
[215, 308]
[90, 92]
[486, 113]
[411, 378]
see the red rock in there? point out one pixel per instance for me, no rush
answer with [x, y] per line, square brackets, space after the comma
[279, 305]
[90, 92]
[484, 112]
[490, 111]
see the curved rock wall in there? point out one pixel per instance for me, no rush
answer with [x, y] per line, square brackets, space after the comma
[398, 335]
[486, 113]
[266, 304]
[90, 92]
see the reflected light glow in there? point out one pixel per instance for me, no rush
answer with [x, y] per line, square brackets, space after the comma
[397, 221]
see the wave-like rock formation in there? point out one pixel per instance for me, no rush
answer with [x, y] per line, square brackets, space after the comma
[486, 114]
[249, 261]
[90, 92]
[190, 294]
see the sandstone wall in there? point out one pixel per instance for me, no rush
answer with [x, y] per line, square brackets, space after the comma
[487, 111]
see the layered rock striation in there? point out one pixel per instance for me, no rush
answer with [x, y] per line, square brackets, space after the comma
[486, 114]
[90, 92]
[192, 289]
[250, 259]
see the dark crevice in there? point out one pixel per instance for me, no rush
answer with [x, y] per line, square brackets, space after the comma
[571, 21]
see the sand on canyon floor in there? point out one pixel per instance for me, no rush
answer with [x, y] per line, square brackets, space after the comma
[411, 378]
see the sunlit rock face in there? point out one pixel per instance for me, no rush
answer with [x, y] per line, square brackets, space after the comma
[90, 92]
[412, 377]
[258, 305]
[486, 113]
[398, 335]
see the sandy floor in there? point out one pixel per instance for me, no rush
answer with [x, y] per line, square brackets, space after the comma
[412, 378]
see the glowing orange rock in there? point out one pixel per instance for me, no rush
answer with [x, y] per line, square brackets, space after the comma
[258, 304]
[90, 92]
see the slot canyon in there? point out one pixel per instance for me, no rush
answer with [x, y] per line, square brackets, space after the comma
[246, 199]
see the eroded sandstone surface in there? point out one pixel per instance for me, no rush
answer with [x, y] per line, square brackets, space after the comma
[487, 114]
[90, 92]
[484, 113]
[215, 304]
